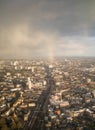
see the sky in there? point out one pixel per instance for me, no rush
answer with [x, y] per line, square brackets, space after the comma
[37, 28]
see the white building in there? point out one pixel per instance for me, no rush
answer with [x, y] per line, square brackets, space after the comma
[29, 83]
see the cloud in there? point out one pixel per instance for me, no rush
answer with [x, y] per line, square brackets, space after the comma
[67, 17]
[75, 46]
[32, 42]
[43, 27]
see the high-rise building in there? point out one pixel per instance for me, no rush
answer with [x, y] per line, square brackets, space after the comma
[29, 83]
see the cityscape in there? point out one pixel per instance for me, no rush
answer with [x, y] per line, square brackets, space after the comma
[40, 95]
[47, 64]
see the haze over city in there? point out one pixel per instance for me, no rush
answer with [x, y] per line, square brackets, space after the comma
[30, 28]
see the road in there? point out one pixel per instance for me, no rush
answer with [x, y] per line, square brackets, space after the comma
[36, 117]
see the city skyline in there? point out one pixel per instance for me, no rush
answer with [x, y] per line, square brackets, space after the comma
[33, 28]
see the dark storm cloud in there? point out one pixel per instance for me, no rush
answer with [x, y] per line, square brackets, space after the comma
[70, 16]
[46, 26]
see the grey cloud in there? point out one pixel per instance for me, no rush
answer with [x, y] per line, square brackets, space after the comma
[37, 26]
[61, 15]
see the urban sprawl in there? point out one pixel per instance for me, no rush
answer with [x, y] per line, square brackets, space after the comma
[47, 95]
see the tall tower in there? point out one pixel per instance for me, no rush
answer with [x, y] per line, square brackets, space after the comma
[29, 83]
